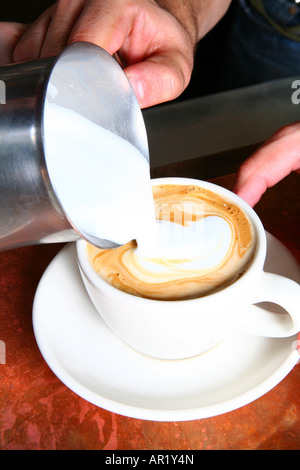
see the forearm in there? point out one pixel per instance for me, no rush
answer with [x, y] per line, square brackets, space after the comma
[197, 16]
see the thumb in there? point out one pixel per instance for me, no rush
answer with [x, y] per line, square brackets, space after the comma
[159, 78]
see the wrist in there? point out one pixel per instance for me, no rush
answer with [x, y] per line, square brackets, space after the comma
[186, 14]
[198, 17]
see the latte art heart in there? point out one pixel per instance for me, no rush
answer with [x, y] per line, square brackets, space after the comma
[202, 244]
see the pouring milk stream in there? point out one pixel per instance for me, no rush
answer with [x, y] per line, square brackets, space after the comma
[103, 182]
[74, 137]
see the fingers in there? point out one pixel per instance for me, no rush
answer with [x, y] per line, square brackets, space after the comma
[49, 34]
[10, 34]
[64, 15]
[30, 43]
[103, 24]
[269, 164]
[66, 22]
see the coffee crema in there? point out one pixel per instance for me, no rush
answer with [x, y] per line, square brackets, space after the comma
[204, 244]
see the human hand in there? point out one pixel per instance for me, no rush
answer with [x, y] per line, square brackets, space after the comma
[274, 160]
[157, 50]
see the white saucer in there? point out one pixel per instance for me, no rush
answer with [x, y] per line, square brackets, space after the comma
[89, 359]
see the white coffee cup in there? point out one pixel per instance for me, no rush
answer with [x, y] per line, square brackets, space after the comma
[178, 329]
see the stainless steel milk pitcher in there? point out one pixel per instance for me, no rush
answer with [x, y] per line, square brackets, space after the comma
[30, 212]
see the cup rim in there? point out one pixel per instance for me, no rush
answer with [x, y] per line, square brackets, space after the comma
[257, 261]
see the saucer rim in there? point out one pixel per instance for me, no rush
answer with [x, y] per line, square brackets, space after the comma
[135, 411]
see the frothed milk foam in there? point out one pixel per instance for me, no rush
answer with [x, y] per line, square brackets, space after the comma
[189, 243]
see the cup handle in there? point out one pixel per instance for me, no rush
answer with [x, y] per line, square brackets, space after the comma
[259, 321]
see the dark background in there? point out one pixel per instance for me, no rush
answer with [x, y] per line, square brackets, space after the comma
[23, 11]
[208, 56]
